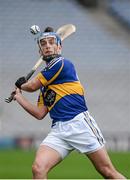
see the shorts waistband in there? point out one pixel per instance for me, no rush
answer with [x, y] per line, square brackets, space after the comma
[77, 117]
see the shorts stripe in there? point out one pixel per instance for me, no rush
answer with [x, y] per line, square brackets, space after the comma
[101, 138]
[94, 129]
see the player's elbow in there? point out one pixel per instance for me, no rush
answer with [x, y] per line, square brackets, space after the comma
[41, 113]
[39, 117]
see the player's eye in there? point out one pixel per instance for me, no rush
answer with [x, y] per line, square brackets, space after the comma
[51, 41]
[43, 43]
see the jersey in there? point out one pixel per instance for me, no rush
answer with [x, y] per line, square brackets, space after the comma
[62, 91]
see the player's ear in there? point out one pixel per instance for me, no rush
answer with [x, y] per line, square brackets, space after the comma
[59, 49]
[40, 52]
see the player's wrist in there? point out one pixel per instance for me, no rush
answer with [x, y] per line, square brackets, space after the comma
[20, 81]
[17, 96]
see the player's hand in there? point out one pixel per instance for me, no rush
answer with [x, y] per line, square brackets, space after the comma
[13, 95]
[20, 81]
[16, 93]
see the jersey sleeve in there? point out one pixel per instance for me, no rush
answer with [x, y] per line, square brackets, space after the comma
[50, 73]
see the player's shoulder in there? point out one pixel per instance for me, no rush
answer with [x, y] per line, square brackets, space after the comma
[68, 62]
[55, 63]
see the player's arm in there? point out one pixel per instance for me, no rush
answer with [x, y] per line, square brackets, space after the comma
[44, 78]
[29, 86]
[37, 112]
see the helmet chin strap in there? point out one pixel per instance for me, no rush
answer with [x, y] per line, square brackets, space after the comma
[50, 57]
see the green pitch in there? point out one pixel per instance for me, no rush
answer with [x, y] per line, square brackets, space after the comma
[16, 164]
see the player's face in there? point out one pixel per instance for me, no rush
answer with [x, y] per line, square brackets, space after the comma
[49, 46]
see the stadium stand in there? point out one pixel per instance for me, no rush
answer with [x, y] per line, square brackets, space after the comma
[121, 10]
[100, 50]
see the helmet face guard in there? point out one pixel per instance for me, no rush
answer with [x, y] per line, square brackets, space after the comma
[45, 35]
[49, 34]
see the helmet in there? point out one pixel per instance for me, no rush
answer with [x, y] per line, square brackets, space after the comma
[42, 35]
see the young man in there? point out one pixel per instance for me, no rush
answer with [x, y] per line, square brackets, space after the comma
[62, 95]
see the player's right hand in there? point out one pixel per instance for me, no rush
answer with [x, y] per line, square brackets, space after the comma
[20, 81]
[16, 93]
[13, 95]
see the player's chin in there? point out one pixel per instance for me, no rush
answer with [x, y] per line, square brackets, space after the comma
[49, 53]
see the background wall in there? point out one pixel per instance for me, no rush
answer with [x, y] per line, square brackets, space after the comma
[100, 50]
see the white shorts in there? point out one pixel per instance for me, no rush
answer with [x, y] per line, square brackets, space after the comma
[81, 133]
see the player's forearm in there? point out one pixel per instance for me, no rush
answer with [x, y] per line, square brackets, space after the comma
[31, 86]
[30, 108]
[28, 87]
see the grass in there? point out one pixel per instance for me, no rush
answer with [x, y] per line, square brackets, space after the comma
[16, 164]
